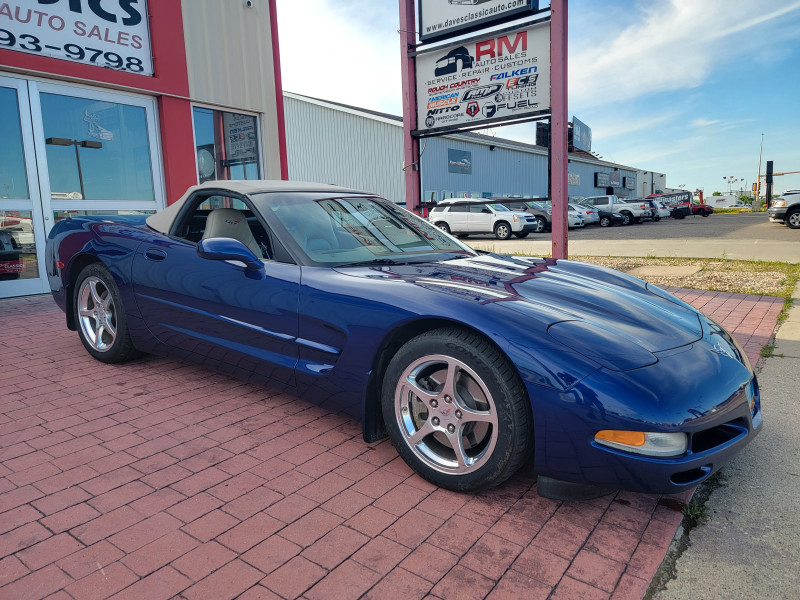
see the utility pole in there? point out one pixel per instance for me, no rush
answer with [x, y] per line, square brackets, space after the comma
[757, 202]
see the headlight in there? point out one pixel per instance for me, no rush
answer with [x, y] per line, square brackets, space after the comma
[779, 203]
[644, 442]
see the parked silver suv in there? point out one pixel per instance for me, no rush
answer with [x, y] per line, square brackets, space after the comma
[464, 217]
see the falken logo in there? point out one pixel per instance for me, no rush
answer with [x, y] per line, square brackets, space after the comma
[473, 109]
[482, 92]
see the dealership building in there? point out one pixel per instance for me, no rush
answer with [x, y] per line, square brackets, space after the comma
[363, 149]
[118, 106]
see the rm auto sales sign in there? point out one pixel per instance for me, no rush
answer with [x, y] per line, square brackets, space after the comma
[497, 78]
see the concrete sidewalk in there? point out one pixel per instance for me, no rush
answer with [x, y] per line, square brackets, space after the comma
[158, 480]
[748, 546]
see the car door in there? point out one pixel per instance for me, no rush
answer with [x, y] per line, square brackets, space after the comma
[481, 218]
[217, 312]
[457, 218]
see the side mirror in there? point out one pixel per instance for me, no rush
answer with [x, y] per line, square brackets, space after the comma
[228, 249]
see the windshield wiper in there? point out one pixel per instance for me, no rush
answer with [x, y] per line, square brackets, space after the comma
[373, 262]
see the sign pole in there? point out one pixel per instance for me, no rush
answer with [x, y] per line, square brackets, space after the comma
[559, 164]
[411, 164]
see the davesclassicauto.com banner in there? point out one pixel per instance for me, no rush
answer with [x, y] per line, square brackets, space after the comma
[445, 18]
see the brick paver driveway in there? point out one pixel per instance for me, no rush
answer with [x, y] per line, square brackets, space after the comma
[157, 479]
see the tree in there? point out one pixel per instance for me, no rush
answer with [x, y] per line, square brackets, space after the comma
[717, 194]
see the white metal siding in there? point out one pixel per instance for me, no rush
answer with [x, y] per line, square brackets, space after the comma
[229, 60]
[325, 145]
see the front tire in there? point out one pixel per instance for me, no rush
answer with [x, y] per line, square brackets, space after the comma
[541, 225]
[100, 316]
[502, 231]
[605, 221]
[793, 219]
[455, 410]
[705, 213]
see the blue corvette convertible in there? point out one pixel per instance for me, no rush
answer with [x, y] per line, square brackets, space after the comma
[472, 362]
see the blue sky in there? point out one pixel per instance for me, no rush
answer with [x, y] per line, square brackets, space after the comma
[683, 87]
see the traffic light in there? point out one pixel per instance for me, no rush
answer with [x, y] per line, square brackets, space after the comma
[755, 188]
[769, 171]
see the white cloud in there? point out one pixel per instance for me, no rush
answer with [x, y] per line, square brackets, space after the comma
[671, 45]
[328, 52]
[704, 122]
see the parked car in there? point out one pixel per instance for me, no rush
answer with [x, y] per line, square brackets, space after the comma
[574, 218]
[702, 209]
[679, 203]
[466, 217]
[786, 209]
[610, 218]
[632, 212]
[663, 211]
[473, 362]
[589, 214]
[541, 213]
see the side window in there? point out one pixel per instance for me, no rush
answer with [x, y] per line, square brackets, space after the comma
[477, 208]
[458, 208]
[234, 219]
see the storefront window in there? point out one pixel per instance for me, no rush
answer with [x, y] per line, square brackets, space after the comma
[226, 145]
[96, 150]
[13, 180]
[17, 246]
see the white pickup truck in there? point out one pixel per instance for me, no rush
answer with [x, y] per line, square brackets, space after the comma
[632, 212]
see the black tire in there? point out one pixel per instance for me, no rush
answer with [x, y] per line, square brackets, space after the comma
[541, 225]
[792, 219]
[605, 221]
[522, 234]
[637, 220]
[704, 213]
[486, 409]
[656, 218]
[502, 231]
[627, 218]
[100, 316]
[443, 226]
[462, 236]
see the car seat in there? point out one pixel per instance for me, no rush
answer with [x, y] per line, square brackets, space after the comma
[231, 223]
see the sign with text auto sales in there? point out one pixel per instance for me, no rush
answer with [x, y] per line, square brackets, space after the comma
[497, 78]
[440, 19]
[111, 34]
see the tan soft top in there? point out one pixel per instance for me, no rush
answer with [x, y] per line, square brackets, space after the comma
[162, 221]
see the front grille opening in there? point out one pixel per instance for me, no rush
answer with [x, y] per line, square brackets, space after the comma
[690, 476]
[717, 436]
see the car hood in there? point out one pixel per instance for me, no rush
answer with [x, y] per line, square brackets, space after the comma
[547, 291]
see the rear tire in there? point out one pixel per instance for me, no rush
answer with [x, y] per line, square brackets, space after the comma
[605, 221]
[100, 316]
[627, 218]
[455, 410]
[443, 226]
[541, 225]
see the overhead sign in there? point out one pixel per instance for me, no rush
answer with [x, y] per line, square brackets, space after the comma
[581, 135]
[445, 18]
[111, 35]
[497, 78]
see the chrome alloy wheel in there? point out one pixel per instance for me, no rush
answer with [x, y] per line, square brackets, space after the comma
[446, 414]
[97, 314]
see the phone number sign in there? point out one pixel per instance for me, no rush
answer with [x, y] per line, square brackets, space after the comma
[498, 78]
[112, 34]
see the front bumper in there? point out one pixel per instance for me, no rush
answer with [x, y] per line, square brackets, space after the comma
[693, 390]
[777, 215]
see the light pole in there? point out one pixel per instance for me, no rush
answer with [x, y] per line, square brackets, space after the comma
[54, 141]
[757, 203]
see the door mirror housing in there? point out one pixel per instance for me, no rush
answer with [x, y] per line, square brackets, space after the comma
[228, 249]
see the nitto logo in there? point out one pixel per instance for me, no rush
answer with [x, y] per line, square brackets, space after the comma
[446, 109]
[482, 92]
[473, 109]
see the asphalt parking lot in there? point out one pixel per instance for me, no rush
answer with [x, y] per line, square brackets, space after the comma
[159, 480]
[746, 236]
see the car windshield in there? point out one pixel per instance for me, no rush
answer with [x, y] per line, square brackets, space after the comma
[535, 205]
[347, 230]
[499, 207]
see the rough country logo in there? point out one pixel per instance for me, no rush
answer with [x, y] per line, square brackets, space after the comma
[473, 109]
[481, 92]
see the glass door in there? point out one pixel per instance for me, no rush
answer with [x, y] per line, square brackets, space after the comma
[22, 227]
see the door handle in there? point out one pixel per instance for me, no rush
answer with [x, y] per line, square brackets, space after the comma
[155, 254]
